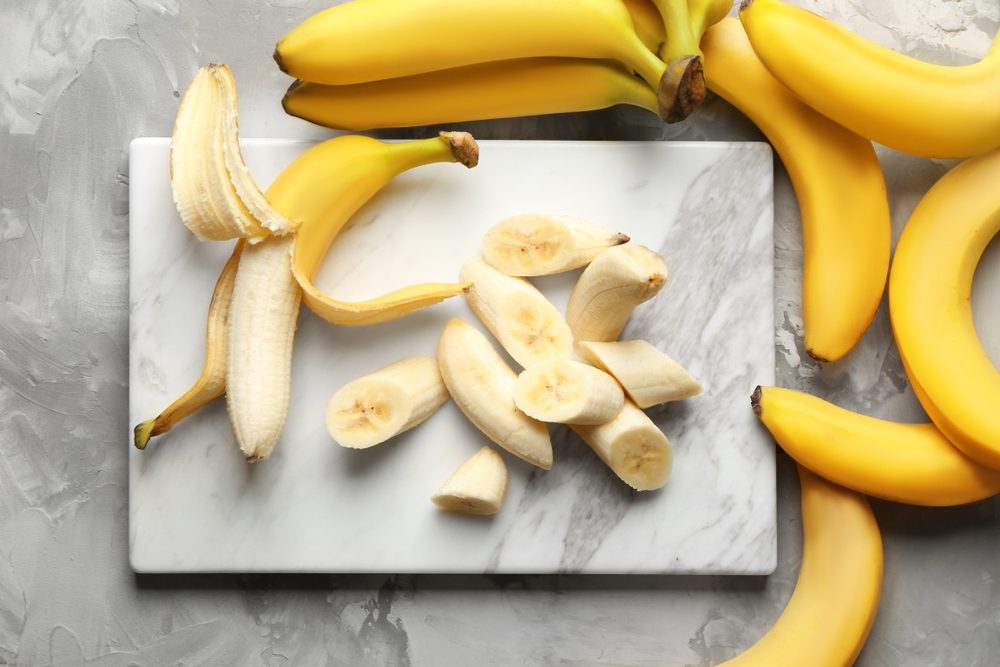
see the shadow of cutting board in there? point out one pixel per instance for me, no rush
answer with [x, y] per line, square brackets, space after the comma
[196, 506]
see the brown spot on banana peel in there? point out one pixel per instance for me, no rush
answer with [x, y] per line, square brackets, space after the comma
[745, 4]
[755, 401]
[682, 88]
[464, 147]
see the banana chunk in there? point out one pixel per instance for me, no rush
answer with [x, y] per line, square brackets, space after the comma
[477, 487]
[633, 447]
[370, 410]
[648, 376]
[618, 280]
[524, 322]
[540, 245]
[568, 392]
[482, 386]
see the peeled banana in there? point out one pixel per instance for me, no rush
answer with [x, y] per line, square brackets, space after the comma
[839, 184]
[477, 487]
[647, 375]
[371, 409]
[901, 102]
[617, 280]
[524, 322]
[324, 187]
[482, 386]
[929, 304]
[503, 89]
[215, 194]
[371, 40]
[262, 321]
[568, 392]
[212, 382]
[632, 446]
[904, 463]
[540, 245]
[833, 606]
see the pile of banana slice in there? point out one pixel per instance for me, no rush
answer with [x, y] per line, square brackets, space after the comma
[600, 394]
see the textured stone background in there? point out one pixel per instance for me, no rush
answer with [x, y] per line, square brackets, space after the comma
[78, 80]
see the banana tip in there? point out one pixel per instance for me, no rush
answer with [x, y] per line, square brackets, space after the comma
[278, 59]
[142, 434]
[817, 356]
[745, 4]
[463, 146]
[755, 401]
[622, 239]
[682, 88]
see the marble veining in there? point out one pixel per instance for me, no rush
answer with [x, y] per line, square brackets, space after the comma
[707, 208]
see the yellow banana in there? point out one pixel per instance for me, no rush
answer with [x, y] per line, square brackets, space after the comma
[929, 292]
[905, 463]
[839, 184]
[503, 89]
[323, 188]
[212, 382]
[906, 104]
[369, 40]
[706, 13]
[647, 23]
[833, 606]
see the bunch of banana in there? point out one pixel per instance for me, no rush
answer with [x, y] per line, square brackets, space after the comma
[833, 606]
[838, 181]
[391, 63]
[931, 311]
[912, 106]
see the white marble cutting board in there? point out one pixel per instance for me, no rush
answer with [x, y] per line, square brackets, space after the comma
[196, 506]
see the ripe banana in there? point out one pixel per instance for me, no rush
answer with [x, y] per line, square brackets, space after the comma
[568, 392]
[371, 40]
[383, 404]
[215, 194]
[618, 280]
[262, 320]
[906, 104]
[540, 245]
[477, 487]
[504, 89]
[212, 382]
[648, 376]
[904, 463]
[324, 187]
[929, 304]
[839, 184]
[482, 386]
[632, 446]
[647, 22]
[524, 322]
[833, 606]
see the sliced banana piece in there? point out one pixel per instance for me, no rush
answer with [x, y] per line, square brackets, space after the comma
[633, 447]
[482, 386]
[525, 323]
[383, 404]
[477, 487]
[648, 376]
[568, 392]
[540, 245]
[618, 280]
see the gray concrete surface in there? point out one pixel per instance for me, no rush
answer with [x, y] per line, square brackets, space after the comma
[78, 80]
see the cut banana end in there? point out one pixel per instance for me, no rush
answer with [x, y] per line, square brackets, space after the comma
[383, 404]
[633, 447]
[477, 487]
[482, 386]
[568, 392]
[648, 376]
[540, 245]
[525, 323]
[212, 187]
[618, 280]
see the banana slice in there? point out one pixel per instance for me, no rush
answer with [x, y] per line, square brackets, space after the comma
[477, 487]
[540, 245]
[648, 376]
[519, 316]
[633, 447]
[617, 281]
[482, 386]
[383, 404]
[568, 392]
